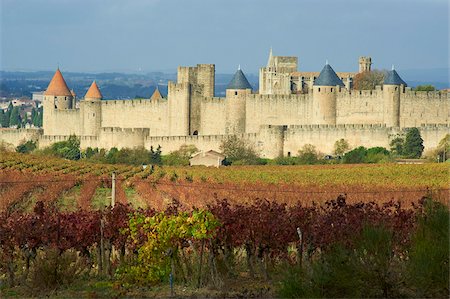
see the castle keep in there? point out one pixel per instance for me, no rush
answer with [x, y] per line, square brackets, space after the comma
[290, 109]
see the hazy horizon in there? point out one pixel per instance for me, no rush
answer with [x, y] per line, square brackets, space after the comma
[149, 36]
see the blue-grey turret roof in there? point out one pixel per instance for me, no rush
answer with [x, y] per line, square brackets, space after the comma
[392, 78]
[328, 77]
[239, 81]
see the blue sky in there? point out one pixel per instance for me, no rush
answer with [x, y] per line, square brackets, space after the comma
[153, 35]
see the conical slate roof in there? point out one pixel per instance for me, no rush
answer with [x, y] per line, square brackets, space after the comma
[392, 78]
[156, 95]
[93, 92]
[239, 81]
[328, 77]
[58, 86]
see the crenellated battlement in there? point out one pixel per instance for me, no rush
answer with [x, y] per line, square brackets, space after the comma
[423, 95]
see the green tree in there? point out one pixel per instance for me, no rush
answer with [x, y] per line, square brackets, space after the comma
[26, 147]
[425, 88]
[7, 116]
[15, 119]
[308, 154]
[356, 155]
[413, 144]
[239, 151]
[69, 149]
[341, 146]
[443, 149]
[2, 116]
[397, 145]
[180, 156]
[376, 155]
[155, 156]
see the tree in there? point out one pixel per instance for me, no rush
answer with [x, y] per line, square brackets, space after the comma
[26, 147]
[180, 156]
[356, 155]
[413, 147]
[69, 149]
[7, 116]
[443, 149]
[341, 146]
[238, 151]
[425, 88]
[2, 116]
[308, 154]
[15, 119]
[368, 80]
[155, 156]
[397, 144]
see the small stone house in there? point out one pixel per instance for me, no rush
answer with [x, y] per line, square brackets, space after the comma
[209, 158]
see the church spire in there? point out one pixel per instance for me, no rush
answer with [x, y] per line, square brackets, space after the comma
[270, 61]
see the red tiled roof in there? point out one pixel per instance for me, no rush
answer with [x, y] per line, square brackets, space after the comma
[93, 92]
[58, 86]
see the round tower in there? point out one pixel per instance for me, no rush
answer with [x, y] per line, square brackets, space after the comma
[236, 94]
[91, 111]
[324, 96]
[392, 87]
[56, 97]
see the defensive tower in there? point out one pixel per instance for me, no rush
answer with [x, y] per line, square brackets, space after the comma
[324, 96]
[57, 97]
[236, 93]
[365, 64]
[91, 111]
[392, 87]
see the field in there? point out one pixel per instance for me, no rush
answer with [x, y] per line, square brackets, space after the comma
[81, 184]
[227, 232]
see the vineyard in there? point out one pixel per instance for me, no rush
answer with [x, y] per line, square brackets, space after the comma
[234, 230]
[85, 185]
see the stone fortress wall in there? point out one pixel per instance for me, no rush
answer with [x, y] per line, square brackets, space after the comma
[278, 120]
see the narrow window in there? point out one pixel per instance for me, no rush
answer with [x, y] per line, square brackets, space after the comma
[195, 132]
[331, 89]
[289, 154]
[235, 93]
[319, 89]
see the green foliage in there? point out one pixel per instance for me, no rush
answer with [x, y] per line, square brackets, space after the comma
[443, 149]
[429, 255]
[363, 155]
[413, 146]
[341, 146]
[69, 149]
[7, 116]
[26, 147]
[425, 88]
[15, 119]
[355, 156]
[397, 145]
[308, 154]
[180, 157]
[367, 270]
[163, 235]
[376, 155]
[239, 151]
[155, 155]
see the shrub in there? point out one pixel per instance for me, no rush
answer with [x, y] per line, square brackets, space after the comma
[239, 151]
[356, 155]
[69, 149]
[26, 147]
[428, 264]
[308, 154]
[180, 157]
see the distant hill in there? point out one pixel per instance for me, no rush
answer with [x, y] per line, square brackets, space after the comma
[129, 86]
[112, 85]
